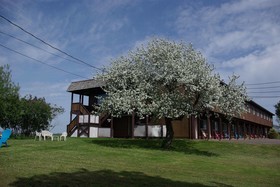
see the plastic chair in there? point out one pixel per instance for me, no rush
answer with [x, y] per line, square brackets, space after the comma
[226, 135]
[5, 136]
[63, 135]
[204, 136]
[236, 135]
[39, 135]
[217, 136]
[46, 133]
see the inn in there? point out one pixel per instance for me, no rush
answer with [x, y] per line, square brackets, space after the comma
[255, 123]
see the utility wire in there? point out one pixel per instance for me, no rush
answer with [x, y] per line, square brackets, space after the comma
[263, 83]
[266, 92]
[41, 61]
[49, 44]
[263, 87]
[38, 47]
[274, 96]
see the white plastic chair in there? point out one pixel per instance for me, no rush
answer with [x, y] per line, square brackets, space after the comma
[47, 134]
[63, 135]
[39, 135]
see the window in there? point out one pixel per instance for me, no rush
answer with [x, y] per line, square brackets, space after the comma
[76, 98]
[203, 124]
[85, 100]
[248, 109]
[216, 126]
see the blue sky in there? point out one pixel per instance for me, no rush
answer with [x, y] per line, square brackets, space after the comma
[241, 37]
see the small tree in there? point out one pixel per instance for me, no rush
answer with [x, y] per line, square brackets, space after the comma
[9, 98]
[273, 134]
[36, 114]
[23, 114]
[167, 80]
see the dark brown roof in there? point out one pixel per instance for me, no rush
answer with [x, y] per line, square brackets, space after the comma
[85, 85]
[260, 107]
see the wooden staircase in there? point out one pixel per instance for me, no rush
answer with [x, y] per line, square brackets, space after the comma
[72, 126]
[83, 128]
[79, 109]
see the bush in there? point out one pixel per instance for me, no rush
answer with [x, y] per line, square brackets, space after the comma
[273, 134]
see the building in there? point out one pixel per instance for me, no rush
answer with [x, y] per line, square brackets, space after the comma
[85, 123]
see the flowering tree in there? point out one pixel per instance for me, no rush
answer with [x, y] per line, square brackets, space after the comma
[164, 79]
[233, 96]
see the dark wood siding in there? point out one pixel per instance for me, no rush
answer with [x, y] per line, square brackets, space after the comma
[122, 127]
[257, 119]
[181, 128]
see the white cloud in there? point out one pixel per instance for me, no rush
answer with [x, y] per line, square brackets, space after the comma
[99, 30]
[245, 5]
[3, 60]
[45, 89]
[105, 7]
[241, 37]
[233, 32]
[256, 67]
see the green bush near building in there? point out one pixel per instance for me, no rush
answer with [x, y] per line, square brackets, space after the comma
[273, 134]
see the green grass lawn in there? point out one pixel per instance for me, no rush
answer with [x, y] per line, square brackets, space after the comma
[127, 162]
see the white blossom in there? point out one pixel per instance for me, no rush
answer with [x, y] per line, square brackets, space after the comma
[168, 79]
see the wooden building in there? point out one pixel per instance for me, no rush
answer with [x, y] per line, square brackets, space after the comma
[85, 123]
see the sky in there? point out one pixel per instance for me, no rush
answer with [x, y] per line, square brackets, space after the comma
[239, 37]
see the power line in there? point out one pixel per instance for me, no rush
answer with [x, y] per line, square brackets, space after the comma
[266, 92]
[49, 44]
[39, 47]
[41, 61]
[274, 96]
[263, 87]
[274, 82]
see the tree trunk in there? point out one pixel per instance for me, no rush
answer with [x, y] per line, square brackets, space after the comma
[169, 134]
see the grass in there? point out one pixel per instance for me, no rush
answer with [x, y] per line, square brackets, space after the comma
[127, 162]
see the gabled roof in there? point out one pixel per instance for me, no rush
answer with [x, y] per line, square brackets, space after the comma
[260, 107]
[83, 86]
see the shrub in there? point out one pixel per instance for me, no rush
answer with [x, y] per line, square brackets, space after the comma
[273, 134]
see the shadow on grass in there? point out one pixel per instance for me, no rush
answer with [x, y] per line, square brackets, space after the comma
[184, 146]
[99, 178]
[221, 184]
